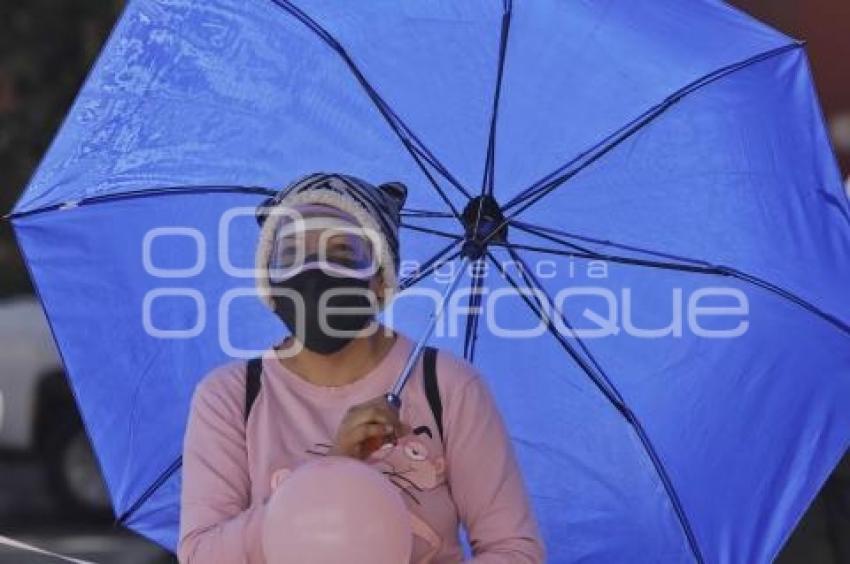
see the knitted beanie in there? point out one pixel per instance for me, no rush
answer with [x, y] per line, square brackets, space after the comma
[377, 209]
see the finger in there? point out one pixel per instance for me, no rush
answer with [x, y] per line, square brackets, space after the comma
[381, 403]
[370, 445]
[367, 431]
[384, 406]
[394, 419]
[350, 440]
[369, 415]
[376, 402]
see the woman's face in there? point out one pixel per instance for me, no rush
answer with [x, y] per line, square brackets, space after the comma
[320, 236]
[325, 277]
[317, 235]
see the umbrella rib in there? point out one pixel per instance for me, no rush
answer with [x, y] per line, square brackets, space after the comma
[474, 304]
[407, 137]
[416, 212]
[145, 193]
[598, 376]
[609, 392]
[551, 181]
[532, 281]
[438, 232]
[146, 495]
[790, 296]
[490, 160]
[490, 164]
[430, 265]
[524, 226]
[396, 121]
[583, 252]
[690, 265]
[615, 259]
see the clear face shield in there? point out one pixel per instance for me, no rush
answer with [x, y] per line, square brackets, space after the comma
[324, 240]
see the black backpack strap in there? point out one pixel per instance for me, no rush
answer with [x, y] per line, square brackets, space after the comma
[252, 383]
[432, 388]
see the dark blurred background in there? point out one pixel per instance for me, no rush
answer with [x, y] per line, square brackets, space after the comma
[50, 493]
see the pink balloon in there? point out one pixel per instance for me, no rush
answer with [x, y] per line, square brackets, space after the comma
[334, 510]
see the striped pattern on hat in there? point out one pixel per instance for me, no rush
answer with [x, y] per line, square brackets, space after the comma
[375, 208]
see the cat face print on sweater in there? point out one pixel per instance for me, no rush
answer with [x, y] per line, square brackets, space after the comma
[412, 463]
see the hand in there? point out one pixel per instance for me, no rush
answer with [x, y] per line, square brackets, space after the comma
[365, 427]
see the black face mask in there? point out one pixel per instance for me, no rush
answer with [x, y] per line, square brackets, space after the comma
[311, 285]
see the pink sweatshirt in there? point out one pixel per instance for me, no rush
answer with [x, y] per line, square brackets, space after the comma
[228, 469]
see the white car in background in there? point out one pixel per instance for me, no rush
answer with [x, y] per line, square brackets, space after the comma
[38, 414]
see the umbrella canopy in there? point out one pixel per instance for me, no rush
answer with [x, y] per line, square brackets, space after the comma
[660, 169]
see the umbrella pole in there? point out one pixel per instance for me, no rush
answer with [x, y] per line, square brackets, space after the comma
[394, 395]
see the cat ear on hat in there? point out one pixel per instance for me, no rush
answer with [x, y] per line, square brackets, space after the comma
[262, 211]
[395, 190]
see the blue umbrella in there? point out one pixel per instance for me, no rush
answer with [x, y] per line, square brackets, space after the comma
[654, 178]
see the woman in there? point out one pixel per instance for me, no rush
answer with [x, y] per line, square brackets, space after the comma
[322, 392]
